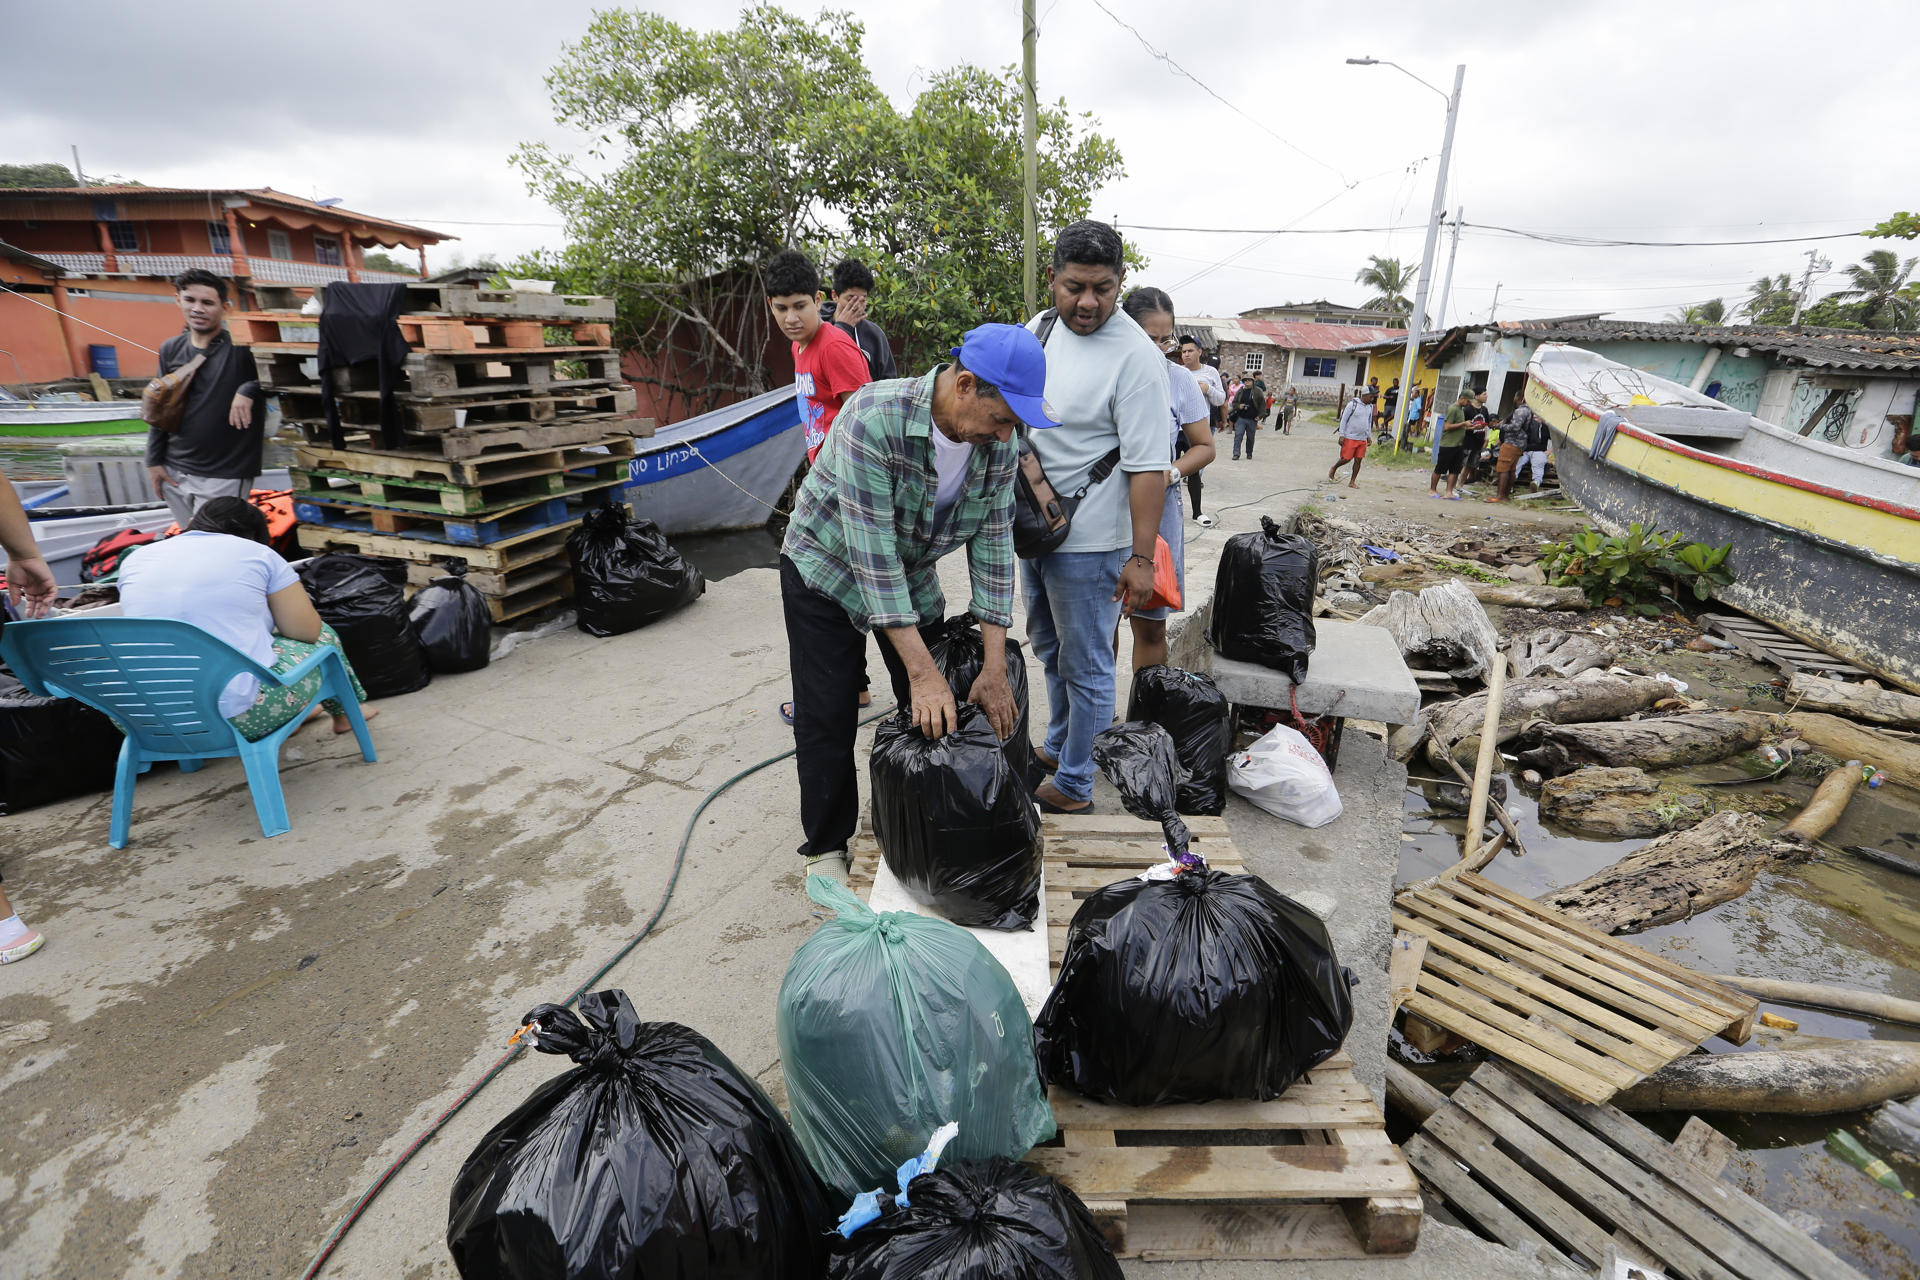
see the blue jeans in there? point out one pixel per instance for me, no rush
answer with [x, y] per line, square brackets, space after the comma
[1243, 430]
[1071, 614]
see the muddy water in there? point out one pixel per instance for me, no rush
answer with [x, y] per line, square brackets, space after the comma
[721, 555]
[1841, 920]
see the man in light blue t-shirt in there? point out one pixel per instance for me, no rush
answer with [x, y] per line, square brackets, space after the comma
[1107, 384]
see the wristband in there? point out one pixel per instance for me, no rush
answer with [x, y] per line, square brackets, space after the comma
[1137, 556]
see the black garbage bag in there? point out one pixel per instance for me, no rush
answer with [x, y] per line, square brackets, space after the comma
[626, 574]
[1263, 600]
[51, 748]
[364, 599]
[991, 1220]
[955, 825]
[1191, 989]
[1191, 707]
[1139, 760]
[960, 653]
[451, 618]
[655, 1156]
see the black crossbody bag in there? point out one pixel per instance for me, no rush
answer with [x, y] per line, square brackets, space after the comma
[1042, 516]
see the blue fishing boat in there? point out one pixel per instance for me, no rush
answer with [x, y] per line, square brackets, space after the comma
[722, 470]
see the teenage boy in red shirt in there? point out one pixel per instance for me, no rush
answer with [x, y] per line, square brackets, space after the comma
[827, 364]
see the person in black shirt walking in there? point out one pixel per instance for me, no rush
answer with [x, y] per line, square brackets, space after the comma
[216, 451]
[852, 282]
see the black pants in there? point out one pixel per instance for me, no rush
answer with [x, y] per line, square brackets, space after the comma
[828, 656]
[1193, 492]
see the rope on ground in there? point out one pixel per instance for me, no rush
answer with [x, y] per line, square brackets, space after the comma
[360, 1206]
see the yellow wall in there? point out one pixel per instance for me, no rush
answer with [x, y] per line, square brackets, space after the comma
[1385, 365]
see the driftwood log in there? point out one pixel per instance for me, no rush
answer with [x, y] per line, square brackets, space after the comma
[1876, 706]
[1684, 873]
[1443, 628]
[1621, 803]
[1818, 1081]
[1522, 597]
[1692, 737]
[1553, 652]
[1591, 696]
[1898, 758]
[1818, 995]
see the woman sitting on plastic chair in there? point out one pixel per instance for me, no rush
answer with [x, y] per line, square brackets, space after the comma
[220, 575]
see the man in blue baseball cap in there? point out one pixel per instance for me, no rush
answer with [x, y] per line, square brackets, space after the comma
[913, 469]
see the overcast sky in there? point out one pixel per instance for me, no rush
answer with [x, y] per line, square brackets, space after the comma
[1676, 120]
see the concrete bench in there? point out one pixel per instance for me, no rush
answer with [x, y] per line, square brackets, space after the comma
[1355, 671]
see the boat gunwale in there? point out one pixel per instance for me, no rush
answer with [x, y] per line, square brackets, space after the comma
[1658, 441]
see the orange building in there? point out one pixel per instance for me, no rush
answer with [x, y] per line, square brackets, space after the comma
[85, 271]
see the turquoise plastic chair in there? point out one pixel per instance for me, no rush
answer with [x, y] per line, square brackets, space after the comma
[161, 681]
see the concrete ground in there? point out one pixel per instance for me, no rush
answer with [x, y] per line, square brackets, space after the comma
[226, 1039]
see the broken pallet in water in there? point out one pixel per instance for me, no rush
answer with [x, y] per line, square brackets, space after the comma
[1579, 1007]
[1586, 1183]
[1763, 643]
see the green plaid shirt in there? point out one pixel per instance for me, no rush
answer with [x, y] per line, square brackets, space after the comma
[862, 530]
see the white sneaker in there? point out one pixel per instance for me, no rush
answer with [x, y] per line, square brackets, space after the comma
[832, 865]
[22, 947]
[1205, 522]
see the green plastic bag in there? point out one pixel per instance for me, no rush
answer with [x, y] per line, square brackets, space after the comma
[891, 1025]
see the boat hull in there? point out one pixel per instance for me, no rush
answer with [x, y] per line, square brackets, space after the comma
[63, 421]
[1834, 570]
[720, 471]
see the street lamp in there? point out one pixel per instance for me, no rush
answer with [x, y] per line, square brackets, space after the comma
[1418, 318]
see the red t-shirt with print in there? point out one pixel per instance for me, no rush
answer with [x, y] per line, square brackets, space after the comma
[825, 372]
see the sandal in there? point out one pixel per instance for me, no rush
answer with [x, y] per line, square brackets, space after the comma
[786, 712]
[1046, 807]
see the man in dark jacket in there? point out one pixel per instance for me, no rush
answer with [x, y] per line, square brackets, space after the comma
[852, 282]
[216, 451]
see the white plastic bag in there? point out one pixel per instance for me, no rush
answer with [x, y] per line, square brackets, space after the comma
[1284, 775]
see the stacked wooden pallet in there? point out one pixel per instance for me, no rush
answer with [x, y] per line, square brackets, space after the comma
[513, 420]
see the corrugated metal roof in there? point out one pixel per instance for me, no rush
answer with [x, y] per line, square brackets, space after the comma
[1299, 335]
[1798, 344]
[34, 260]
[1212, 331]
[262, 195]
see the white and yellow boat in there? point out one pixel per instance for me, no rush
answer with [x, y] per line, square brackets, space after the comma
[1826, 543]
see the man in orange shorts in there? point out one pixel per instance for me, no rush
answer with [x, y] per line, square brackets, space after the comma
[1356, 429]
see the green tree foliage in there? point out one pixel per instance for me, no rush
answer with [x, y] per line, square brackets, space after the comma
[1832, 312]
[378, 261]
[36, 175]
[1712, 311]
[1770, 301]
[711, 151]
[1389, 282]
[1901, 226]
[1878, 285]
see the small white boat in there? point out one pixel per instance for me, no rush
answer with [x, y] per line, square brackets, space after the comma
[49, 419]
[722, 470]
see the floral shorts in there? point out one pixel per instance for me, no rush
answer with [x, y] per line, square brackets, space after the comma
[277, 704]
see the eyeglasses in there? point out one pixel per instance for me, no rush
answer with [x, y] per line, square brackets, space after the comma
[1167, 343]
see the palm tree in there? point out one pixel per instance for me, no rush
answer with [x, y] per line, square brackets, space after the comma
[1712, 311]
[1389, 282]
[1771, 301]
[1877, 280]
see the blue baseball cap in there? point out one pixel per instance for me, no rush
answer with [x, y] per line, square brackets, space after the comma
[1012, 359]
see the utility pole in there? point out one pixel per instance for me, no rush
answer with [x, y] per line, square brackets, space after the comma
[1816, 263]
[1030, 268]
[1446, 286]
[78, 175]
[1496, 301]
[1416, 321]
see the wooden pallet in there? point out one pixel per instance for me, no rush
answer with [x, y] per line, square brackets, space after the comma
[491, 439]
[550, 564]
[1585, 1010]
[1586, 1182]
[484, 470]
[436, 497]
[462, 300]
[361, 409]
[429, 375]
[437, 528]
[1763, 643]
[1086, 852]
[521, 550]
[421, 332]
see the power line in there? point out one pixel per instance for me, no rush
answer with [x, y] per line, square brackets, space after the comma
[1286, 142]
[1550, 237]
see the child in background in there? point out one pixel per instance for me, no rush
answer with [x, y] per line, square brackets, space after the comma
[827, 364]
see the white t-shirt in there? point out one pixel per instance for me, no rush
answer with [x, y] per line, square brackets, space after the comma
[218, 583]
[1189, 405]
[1107, 390]
[1209, 379]
[951, 458]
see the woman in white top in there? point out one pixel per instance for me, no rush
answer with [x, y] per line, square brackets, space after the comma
[220, 575]
[1152, 310]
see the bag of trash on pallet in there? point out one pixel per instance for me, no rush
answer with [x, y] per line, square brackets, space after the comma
[1263, 600]
[955, 824]
[1188, 984]
[1191, 708]
[625, 573]
[655, 1156]
[1139, 760]
[451, 618]
[364, 599]
[1284, 775]
[988, 1220]
[961, 654]
[891, 1024]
